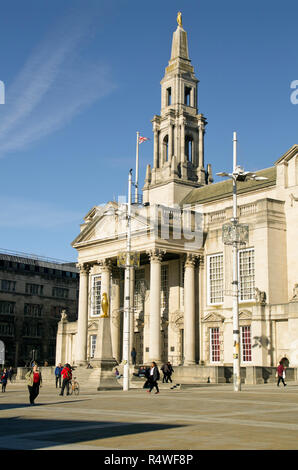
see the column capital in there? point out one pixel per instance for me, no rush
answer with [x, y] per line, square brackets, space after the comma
[83, 267]
[156, 255]
[105, 264]
[190, 260]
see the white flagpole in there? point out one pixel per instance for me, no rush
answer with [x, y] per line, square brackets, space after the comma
[137, 170]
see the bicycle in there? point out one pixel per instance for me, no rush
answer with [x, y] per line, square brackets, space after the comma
[74, 387]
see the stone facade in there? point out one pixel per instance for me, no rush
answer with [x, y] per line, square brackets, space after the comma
[182, 301]
[33, 293]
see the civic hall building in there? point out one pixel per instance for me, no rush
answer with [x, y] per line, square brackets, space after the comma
[182, 291]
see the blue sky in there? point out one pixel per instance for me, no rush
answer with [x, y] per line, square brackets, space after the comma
[83, 76]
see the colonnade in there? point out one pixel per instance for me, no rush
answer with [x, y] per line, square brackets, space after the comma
[154, 352]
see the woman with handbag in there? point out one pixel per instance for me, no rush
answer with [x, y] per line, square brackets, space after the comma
[34, 380]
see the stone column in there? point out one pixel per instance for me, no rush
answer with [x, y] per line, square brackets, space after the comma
[189, 310]
[182, 150]
[155, 287]
[105, 268]
[81, 343]
[170, 142]
[182, 142]
[201, 145]
[156, 149]
[115, 316]
[132, 315]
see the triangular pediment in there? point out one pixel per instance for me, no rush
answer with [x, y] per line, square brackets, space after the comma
[109, 222]
[92, 325]
[99, 224]
[286, 157]
[245, 315]
[213, 317]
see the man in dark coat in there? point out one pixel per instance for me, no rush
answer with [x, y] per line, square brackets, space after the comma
[154, 376]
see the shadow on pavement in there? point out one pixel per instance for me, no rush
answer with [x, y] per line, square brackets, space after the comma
[61, 432]
[11, 406]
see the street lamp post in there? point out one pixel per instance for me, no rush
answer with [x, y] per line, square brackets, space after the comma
[236, 234]
[127, 302]
[127, 260]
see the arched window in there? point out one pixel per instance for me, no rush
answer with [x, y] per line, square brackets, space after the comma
[189, 148]
[165, 148]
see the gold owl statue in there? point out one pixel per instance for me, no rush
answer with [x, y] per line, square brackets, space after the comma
[104, 305]
[179, 18]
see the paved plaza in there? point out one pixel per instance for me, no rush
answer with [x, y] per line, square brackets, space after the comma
[260, 417]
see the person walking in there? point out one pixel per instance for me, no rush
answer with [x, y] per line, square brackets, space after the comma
[66, 376]
[154, 376]
[10, 374]
[280, 372]
[4, 377]
[170, 371]
[58, 371]
[165, 371]
[34, 381]
[133, 356]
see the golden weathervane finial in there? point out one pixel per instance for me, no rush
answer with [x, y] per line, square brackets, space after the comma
[179, 18]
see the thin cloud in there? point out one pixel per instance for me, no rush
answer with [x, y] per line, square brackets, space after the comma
[54, 85]
[21, 214]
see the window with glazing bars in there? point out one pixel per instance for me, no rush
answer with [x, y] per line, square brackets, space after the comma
[246, 343]
[246, 274]
[96, 296]
[92, 345]
[214, 345]
[139, 289]
[215, 278]
[165, 287]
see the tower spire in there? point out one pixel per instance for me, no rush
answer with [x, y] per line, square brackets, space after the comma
[179, 43]
[179, 129]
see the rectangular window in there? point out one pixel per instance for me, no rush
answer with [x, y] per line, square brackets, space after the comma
[164, 288]
[7, 307]
[246, 343]
[246, 266]
[214, 345]
[92, 345]
[182, 273]
[187, 92]
[215, 278]
[96, 296]
[140, 289]
[32, 310]
[34, 289]
[32, 331]
[8, 286]
[60, 292]
[169, 96]
[6, 329]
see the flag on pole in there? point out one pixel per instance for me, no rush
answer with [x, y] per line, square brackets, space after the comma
[143, 139]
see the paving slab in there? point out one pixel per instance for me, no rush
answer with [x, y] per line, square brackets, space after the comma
[260, 417]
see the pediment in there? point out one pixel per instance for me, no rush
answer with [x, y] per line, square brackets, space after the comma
[99, 224]
[286, 157]
[109, 222]
[245, 315]
[213, 317]
[92, 326]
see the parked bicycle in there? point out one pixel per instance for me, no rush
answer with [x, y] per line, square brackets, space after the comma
[74, 387]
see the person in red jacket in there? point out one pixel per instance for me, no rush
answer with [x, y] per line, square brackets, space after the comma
[67, 376]
[280, 372]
